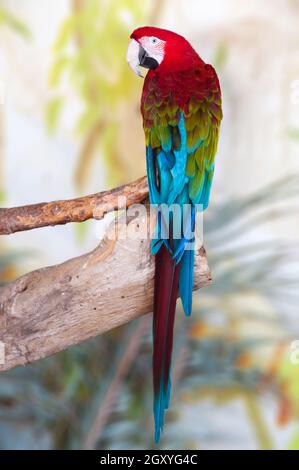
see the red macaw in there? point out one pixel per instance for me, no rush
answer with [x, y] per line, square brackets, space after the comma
[181, 109]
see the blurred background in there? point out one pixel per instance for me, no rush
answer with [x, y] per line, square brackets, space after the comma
[70, 125]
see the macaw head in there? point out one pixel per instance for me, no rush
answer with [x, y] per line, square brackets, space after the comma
[161, 50]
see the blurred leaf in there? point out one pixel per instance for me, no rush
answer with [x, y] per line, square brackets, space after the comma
[262, 433]
[221, 55]
[10, 20]
[53, 112]
[293, 133]
[288, 376]
[2, 196]
[65, 33]
[81, 231]
[87, 120]
[87, 154]
[58, 68]
[91, 47]
[294, 444]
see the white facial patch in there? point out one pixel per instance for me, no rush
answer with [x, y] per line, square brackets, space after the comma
[154, 47]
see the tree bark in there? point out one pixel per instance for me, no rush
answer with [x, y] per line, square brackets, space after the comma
[56, 307]
[95, 206]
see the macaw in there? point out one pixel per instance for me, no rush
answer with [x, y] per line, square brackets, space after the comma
[181, 109]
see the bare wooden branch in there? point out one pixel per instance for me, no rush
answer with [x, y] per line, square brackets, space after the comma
[53, 308]
[94, 206]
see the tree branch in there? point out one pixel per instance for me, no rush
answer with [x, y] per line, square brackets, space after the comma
[54, 308]
[95, 206]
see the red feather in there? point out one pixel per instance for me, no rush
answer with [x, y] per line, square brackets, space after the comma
[179, 54]
[165, 296]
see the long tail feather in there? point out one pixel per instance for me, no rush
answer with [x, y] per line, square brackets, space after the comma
[187, 280]
[165, 296]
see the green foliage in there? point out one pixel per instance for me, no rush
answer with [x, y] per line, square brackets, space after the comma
[2, 195]
[221, 56]
[89, 55]
[288, 376]
[294, 444]
[18, 26]
[53, 112]
[293, 133]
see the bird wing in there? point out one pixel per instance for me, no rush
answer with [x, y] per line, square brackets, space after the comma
[182, 115]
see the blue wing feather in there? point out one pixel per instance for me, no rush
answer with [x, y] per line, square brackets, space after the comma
[173, 189]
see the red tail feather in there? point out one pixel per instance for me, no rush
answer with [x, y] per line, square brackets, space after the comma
[165, 296]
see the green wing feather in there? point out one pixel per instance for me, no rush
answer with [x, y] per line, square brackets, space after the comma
[202, 112]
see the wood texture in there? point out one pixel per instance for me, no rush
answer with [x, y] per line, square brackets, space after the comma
[53, 308]
[94, 206]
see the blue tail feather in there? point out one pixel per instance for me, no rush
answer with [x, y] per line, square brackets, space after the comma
[186, 280]
[161, 403]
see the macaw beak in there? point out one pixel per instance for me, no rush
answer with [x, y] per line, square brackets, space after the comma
[137, 56]
[133, 57]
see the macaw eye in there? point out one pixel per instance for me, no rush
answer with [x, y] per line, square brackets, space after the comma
[153, 40]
